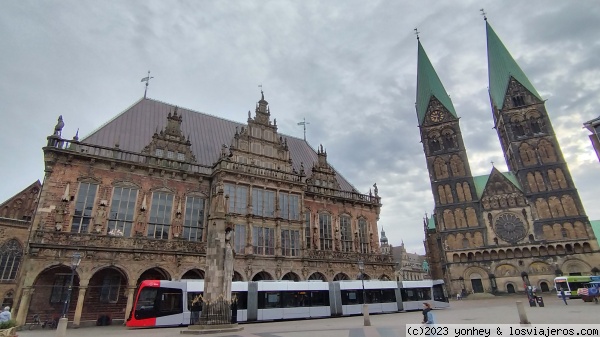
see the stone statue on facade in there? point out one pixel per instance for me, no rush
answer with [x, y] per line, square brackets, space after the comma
[100, 218]
[59, 126]
[338, 240]
[59, 216]
[315, 239]
[356, 242]
[375, 190]
[140, 223]
[373, 243]
[176, 228]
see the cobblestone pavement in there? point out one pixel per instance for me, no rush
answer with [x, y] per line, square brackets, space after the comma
[495, 310]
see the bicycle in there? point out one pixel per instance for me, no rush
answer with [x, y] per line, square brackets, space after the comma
[50, 323]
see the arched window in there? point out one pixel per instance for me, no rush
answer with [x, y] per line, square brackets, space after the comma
[10, 259]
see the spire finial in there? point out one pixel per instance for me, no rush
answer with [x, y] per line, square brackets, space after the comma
[262, 95]
[76, 138]
[417, 33]
[304, 123]
[492, 163]
[147, 80]
[484, 14]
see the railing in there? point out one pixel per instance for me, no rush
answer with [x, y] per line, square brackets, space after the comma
[343, 194]
[111, 243]
[217, 312]
[126, 156]
[260, 171]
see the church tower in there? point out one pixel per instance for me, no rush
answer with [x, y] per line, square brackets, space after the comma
[456, 209]
[531, 149]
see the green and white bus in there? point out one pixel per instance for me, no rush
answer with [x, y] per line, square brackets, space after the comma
[570, 284]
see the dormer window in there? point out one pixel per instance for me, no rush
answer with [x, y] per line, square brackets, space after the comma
[180, 156]
[170, 154]
[159, 152]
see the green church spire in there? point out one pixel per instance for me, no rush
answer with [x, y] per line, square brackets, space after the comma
[501, 67]
[429, 84]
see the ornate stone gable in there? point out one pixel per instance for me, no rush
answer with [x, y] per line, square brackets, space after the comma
[501, 193]
[517, 95]
[322, 173]
[171, 143]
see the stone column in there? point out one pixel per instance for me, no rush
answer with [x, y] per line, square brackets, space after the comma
[79, 307]
[24, 305]
[130, 298]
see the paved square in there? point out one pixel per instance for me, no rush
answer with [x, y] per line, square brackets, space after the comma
[501, 310]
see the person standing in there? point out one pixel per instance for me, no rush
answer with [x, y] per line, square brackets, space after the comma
[563, 296]
[5, 315]
[427, 314]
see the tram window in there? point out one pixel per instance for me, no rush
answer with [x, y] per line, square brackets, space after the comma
[319, 298]
[294, 299]
[350, 297]
[191, 296]
[146, 299]
[269, 300]
[170, 302]
[242, 299]
[388, 296]
[438, 293]
[416, 294]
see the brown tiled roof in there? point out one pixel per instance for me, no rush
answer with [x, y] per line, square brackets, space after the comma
[133, 130]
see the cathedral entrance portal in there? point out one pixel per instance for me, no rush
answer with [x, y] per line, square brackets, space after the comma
[476, 283]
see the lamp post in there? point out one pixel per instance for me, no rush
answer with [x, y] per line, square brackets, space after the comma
[61, 329]
[365, 308]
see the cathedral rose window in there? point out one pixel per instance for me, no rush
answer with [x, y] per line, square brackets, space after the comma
[510, 228]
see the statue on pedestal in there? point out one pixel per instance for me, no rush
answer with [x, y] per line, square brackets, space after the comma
[176, 228]
[99, 219]
[59, 216]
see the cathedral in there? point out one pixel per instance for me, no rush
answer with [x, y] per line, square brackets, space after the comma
[133, 200]
[502, 231]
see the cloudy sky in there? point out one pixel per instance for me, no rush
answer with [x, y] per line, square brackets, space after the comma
[348, 67]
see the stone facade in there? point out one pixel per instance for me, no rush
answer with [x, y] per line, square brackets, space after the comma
[15, 218]
[502, 231]
[410, 266]
[143, 215]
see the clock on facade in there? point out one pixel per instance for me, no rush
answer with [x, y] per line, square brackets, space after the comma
[509, 227]
[436, 116]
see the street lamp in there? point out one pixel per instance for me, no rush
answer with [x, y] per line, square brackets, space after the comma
[61, 329]
[365, 308]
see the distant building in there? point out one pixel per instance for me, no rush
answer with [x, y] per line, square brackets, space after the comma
[409, 266]
[594, 127]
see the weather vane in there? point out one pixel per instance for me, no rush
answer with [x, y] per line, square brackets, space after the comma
[304, 123]
[417, 33]
[483, 13]
[147, 80]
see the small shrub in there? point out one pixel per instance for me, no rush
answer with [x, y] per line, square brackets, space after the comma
[8, 324]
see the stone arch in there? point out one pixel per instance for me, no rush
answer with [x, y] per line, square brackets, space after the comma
[505, 270]
[546, 151]
[548, 232]
[291, 276]
[459, 192]
[455, 258]
[470, 257]
[486, 255]
[384, 277]
[8, 299]
[463, 257]
[542, 208]
[526, 252]
[471, 217]
[587, 248]
[317, 276]
[449, 219]
[478, 239]
[543, 286]
[501, 254]
[434, 142]
[449, 138]
[560, 176]
[551, 250]
[539, 267]
[442, 194]
[573, 266]
[51, 289]
[262, 276]
[569, 205]
[534, 251]
[451, 242]
[543, 251]
[580, 231]
[539, 179]
[494, 255]
[577, 248]
[557, 228]
[510, 287]
[106, 293]
[459, 217]
[553, 180]
[569, 248]
[466, 244]
[556, 207]
[193, 274]
[532, 183]
[570, 230]
[518, 253]
[365, 277]
[237, 277]
[509, 254]
[449, 196]
[477, 277]
[341, 277]
[527, 154]
[467, 191]
[478, 256]
[457, 166]
[156, 273]
[440, 168]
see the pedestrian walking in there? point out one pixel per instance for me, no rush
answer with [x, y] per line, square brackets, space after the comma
[427, 314]
[563, 296]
